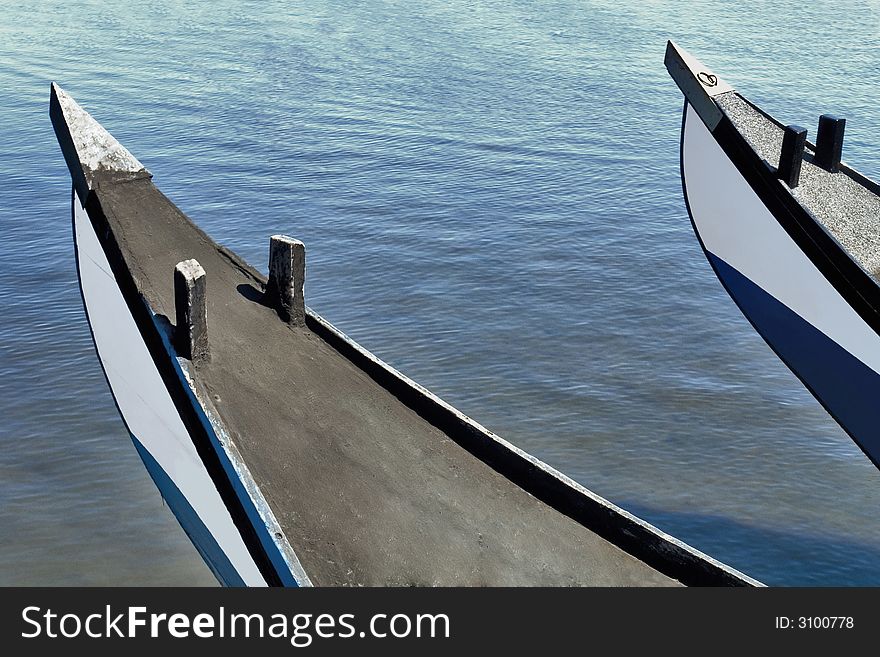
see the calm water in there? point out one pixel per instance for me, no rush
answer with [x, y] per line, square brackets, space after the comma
[490, 196]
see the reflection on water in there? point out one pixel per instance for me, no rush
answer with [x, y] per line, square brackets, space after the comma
[490, 197]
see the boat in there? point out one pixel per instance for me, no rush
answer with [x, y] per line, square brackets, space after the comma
[291, 455]
[792, 233]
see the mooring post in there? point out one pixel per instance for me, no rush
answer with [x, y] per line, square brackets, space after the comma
[287, 275]
[829, 142]
[190, 302]
[792, 155]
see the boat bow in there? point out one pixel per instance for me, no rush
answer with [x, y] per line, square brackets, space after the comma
[697, 82]
[88, 148]
[790, 232]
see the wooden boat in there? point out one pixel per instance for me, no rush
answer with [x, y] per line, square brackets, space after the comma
[290, 454]
[793, 235]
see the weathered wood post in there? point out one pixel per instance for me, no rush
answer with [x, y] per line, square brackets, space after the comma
[287, 275]
[792, 156]
[191, 306]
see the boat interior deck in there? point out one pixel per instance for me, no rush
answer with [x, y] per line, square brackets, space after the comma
[847, 209]
[367, 491]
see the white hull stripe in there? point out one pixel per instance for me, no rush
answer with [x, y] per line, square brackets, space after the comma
[189, 520]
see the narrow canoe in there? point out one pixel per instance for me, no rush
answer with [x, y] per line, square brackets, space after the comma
[292, 455]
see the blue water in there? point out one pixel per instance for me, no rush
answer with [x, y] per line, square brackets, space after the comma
[489, 193]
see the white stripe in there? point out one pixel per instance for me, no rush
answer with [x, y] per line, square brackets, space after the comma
[143, 399]
[736, 226]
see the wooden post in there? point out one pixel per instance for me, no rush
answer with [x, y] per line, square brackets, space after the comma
[829, 142]
[792, 156]
[190, 302]
[287, 275]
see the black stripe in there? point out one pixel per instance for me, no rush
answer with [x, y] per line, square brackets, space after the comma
[175, 386]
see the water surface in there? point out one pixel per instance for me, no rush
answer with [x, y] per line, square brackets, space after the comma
[489, 193]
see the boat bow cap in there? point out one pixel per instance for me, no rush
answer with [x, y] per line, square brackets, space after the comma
[697, 82]
[87, 147]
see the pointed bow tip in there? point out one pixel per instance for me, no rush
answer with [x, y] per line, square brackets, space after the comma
[87, 146]
[697, 82]
[673, 52]
[672, 46]
[56, 93]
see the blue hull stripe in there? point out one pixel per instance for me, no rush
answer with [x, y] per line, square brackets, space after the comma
[189, 520]
[845, 386]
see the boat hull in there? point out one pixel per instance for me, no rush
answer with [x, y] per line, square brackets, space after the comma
[781, 289]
